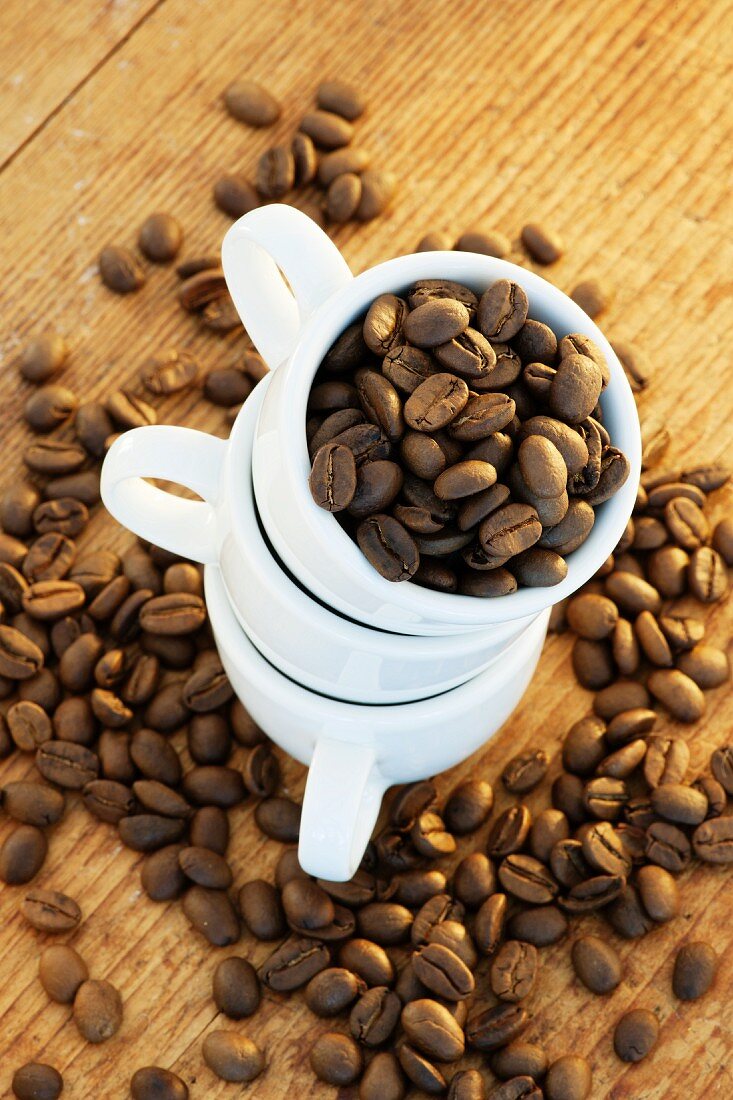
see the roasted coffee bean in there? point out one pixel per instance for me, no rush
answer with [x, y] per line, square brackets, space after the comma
[439, 908]
[17, 505]
[496, 1027]
[597, 964]
[108, 800]
[514, 970]
[155, 1083]
[591, 296]
[549, 827]
[679, 804]
[294, 963]
[624, 761]
[658, 893]
[367, 960]
[520, 1059]
[32, 803]
[120, 269]
[432, 1030]
[467, 1084]
[50, 911]
[695, 966]
[147, 832]
[50, 600]
[526, 878]
[592, 616]
[48, 408]
[93, 427]
[209, 828]
[37, 1081]
[236, 988]
[502, 310]
[29, 725]
[62, 971]
[43, 357]
[592, 663]
[249, 102]
[584, 746]
[167, 710]
[388, 546]
[517, 1088]
[336, 1059]
[47, 456]
[621, 696]
[43, 689]
[160, 238]
[172, 614]
[183, 577]
[712, 841]
[382, 1079]
[627, 915]
[261, 909]
[109, 709]
[83, 486]
[468, 806]
[443, 972]
[629, 725]
[543, 243]
[568, 792]
[206, 868]
[430, 838]
[706, 665]
[211, 913]
[377, 189]
[76, 667]
[482, 416]
[384, 922]
[666, 761]
[13, 587]
[216, 786]
[509, 831]
[307, 906]
[635, 1034]
[333, 991]
[474, 880]
[525, 771]
[235, 195]
[568, 1078]
[593, 893]
[721, 765]
[169, 371]
[375, 1015]
[207, 688]
[604, 851]
[227, 386]
[232, 1057]
[130, 411]
[510, 530]
[437, 401]
[161, 876]
[542, 925]
[421, 1072]
[632, 594]
[66, 764]
[568, 864]
[279, 818]
[667, 846]
[714, 792]
[22, 855]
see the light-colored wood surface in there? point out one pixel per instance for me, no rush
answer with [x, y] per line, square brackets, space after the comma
[612, 123]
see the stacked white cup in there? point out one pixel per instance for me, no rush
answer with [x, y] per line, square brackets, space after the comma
[370, 683]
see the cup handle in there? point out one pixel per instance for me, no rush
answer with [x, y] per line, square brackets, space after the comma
[182, 455]
[343, 795]
[263, 249]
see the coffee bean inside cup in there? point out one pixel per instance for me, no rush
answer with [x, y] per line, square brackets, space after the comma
[459, 442]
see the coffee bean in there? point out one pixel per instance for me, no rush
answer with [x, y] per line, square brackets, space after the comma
[568, 1078]
[327, 129]
[388, 546]
[518, 1088]
[525, 771]
[17, 505]
[108, 800]
[543, 243]
[49, 407]
[173, 614]
[604, 851]
[161, 876]
[714, 792]
[706, 665]
[62, 971]
[160, 238]
[32, 803]
[627, 915]
[211, 913]
[145, 832]
[236, 988]
[83, 486]
[375, 1015]
[249, 102]
[377, 189]
[597, 964]
[294, 963]
[658, 893]
[593, 893]
[474, 880]
[635, 1034]
[514, 971]
[232, 1057]
[50, 600]
[695, 966]
[421, 1072]
[120, 269]
[468, 806]
[169, 371]
[43, 357]
[713, 840]
[442, 972]
[542, 925]
[29, 725]
[332, 991]
[721, 765]
[155, 1083]
[368, 961]
[678, 693]
[261, 910]
[37, 1081]
[66, 764]
[382, 1079]
[667, 846]
[50, 911]
[342, 98]
[22, 855]
[47, 456]
[491, 1028]
[682, 632]
[432, 1030]
[526, 878]
[509, 831]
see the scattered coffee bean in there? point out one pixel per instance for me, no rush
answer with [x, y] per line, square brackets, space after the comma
[695, 966]
[37, 1081]
[232, 1057]
[155, 1083]
[635, 1034]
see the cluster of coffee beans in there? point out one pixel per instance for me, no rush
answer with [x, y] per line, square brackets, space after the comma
[460, 443]
[320, 153]
[632, 647]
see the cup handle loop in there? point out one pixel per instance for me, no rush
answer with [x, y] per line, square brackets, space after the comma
[340, 808]
[182, 455]
[259, 253]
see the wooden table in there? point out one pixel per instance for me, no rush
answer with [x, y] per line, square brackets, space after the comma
[610, 122]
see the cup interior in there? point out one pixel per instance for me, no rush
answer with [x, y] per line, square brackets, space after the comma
[546, 304]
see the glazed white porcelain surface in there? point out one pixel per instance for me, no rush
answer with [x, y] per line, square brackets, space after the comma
[355, 752]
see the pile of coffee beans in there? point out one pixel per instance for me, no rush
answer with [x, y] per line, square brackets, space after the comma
[638, 641]
[459, 442]
[319, 154]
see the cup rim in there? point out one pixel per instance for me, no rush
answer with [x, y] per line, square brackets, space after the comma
[476, 271]
[343, 631]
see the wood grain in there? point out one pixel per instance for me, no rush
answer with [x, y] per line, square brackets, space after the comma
[611, 123]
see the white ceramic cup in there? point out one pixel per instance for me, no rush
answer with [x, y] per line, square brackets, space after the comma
[293, 328]
[356, 752]
[309, 643]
